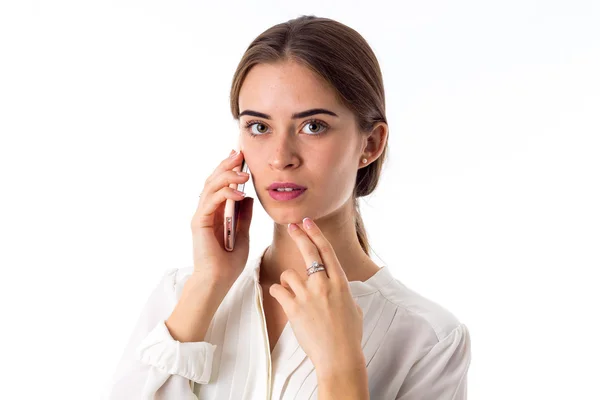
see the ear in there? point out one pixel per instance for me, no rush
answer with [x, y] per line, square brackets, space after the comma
[374, 144]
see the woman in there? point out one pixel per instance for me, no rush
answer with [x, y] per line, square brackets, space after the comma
[309, 98]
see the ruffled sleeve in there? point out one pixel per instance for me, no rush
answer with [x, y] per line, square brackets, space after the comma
[442, 373]
[153, 364]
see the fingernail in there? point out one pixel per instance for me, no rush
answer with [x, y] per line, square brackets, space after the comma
[292, 226]
[234, 154]
[308, 223]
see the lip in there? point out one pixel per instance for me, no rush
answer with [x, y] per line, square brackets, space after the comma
[284, 196]
[292, 185]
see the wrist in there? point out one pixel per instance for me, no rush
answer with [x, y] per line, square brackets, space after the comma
[347, 382]
[342, 371]
[201, 294]
[346, 362]
[197, 305]
[198, 282]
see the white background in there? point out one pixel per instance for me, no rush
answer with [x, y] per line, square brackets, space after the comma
[112, 115]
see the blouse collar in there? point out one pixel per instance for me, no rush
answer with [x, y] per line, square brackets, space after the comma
[357, 288]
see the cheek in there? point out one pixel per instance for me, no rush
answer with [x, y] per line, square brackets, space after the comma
[340, 175]
[248, 147]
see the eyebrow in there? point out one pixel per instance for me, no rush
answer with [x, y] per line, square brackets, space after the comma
[302, 114]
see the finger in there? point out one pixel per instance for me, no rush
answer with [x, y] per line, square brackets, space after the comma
[228, 164]
[291, 279]
[232, 179]
[283, 297]
[227, 178]
[203, 217]
[334, 269]
[309, 252]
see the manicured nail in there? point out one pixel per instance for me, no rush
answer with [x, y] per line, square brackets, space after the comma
[308, 223]
[234, 154]
[292, 226]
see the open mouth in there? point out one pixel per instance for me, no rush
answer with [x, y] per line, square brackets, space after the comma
[287, 194]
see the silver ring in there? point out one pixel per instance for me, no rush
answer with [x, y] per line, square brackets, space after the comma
[315, 267]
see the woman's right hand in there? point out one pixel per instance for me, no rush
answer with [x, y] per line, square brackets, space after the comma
[211, 260]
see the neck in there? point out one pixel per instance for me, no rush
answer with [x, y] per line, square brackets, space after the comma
[339, 229]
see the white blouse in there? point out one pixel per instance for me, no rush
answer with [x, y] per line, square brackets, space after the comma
[414, 348]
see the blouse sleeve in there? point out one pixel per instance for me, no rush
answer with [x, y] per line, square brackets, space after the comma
[442, 373]
[153, 364]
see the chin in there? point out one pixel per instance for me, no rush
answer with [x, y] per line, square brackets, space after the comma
[287, 217]
[283, 216]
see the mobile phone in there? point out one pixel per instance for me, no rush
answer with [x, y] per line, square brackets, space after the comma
[232, 210]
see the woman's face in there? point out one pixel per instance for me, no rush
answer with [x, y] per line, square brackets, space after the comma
[319, 151]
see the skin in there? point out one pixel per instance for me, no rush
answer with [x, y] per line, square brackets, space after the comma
[326, 164]
[288, 149]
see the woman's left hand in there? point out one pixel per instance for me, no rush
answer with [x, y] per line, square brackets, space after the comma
[326, 320]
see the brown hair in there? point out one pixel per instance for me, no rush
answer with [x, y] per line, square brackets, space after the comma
[342, 57]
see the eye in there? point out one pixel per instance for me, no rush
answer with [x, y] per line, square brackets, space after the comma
[258, 128]
[314, 125]
[261, 128]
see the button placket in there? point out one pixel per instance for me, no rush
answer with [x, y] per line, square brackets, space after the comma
[267, 346]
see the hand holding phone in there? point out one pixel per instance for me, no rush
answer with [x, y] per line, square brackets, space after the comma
[215, 258]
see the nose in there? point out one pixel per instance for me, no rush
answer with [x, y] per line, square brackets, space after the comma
[284, 155]
[283, 161]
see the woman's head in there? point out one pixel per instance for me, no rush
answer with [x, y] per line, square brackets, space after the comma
[305, 64]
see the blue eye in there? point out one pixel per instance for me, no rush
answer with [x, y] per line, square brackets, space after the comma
[262, 127]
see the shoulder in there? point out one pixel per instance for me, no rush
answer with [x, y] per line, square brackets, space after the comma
[426, 346]
[417, 315]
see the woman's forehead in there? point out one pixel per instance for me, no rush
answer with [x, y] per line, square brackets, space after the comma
[285, 86]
